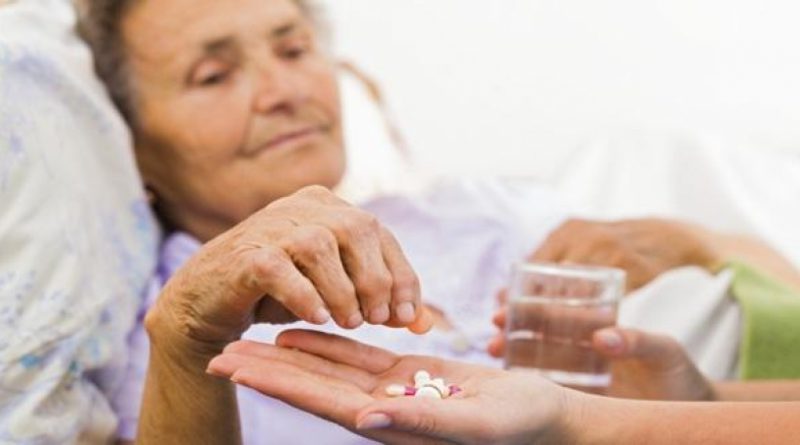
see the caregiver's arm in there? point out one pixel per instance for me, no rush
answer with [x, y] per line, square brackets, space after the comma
[758, 391]
[257, 272]
[343, 381]
[617, 421]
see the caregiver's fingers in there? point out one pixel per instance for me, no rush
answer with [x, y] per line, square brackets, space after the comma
[339, 349]
[499, 318]
[456, 420]
[658, 351]
[251, 351]
[497, 346]
[356, 376]
[315, 251]
[325, 396]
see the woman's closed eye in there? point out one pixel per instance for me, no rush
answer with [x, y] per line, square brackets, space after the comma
[210, 73]
[296, 50]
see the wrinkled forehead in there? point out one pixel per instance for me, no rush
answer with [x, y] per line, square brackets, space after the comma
[161, 30]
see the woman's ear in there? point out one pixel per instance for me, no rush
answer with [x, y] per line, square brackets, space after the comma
[150, 193]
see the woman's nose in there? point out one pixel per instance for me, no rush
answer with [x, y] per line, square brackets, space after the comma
[279, 88]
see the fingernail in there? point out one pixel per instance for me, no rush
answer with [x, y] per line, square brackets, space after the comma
[355, 320]
[321, 316]
[380, 314]
[405, 312]
[611, 339]
[374, 421]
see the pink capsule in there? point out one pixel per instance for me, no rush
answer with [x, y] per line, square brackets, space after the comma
[400, 390]
[454, 389]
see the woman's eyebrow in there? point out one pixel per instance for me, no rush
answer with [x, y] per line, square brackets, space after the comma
[220, 46]
[284, 30]
[228, 44]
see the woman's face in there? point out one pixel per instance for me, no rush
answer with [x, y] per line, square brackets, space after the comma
[236, 105]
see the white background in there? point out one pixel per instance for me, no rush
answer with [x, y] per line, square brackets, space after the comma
[512, 86]
[679, 108]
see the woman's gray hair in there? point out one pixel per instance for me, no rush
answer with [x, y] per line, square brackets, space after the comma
[99, 23]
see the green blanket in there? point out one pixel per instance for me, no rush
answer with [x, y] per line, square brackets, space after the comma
[770, 347]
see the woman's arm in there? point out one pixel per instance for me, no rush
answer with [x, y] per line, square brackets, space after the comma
[757, 253]
[181, 402]
[285, 262]
[646, 248]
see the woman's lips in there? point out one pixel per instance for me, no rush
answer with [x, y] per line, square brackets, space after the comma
[292, 137]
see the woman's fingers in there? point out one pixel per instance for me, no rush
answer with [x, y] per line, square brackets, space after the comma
[339, 350]
[270, 271]
[315, 251]
[406, 304]
[359, 238]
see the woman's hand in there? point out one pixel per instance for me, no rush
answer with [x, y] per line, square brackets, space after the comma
[644, 248]
[344, 381]
[643, 365]
[310, 256]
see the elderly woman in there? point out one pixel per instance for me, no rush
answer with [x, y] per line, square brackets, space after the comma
[77, 245]
[234, 106]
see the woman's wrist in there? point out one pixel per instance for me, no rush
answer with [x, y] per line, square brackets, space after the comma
[709, 252]
[170, 338]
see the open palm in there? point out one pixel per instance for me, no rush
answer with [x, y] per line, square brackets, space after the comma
[344, 381]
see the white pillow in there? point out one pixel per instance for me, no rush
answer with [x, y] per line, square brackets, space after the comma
[77, 239]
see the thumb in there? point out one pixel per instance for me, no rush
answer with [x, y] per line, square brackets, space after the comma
[656, 350]
[420, 417]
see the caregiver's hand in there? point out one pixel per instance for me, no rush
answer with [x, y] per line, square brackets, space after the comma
[344, 381]
[309, 256]
[644, 248]
[643, 365]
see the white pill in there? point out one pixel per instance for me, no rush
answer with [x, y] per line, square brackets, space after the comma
[396, 390]
[421, 377]
[428, 392]
[439, 384]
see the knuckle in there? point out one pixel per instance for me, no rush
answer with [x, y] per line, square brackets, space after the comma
[406, 280]
[573, 224]
[375, 285]
[359, 222]
[268, 263]
[312, 243]
[313, 191]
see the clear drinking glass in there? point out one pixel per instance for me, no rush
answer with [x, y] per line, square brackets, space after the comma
[553, 311]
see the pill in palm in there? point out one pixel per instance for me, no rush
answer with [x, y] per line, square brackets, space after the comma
[429, 392]
[398, 390]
